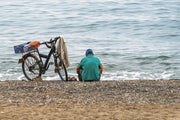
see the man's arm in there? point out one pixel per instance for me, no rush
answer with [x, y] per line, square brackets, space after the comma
[77, 69]
[101, 69]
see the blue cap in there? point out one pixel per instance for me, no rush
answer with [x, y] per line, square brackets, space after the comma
[89, 51]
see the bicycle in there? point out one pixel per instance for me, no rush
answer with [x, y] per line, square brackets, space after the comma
[33, 66]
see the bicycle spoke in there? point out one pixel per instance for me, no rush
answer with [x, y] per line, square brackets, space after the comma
[31, 68]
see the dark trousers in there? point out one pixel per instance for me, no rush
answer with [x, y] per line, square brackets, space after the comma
[80, 75]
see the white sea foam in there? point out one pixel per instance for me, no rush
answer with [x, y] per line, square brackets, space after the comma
[121, 75]
[52, 78]
[125, 75]
[1, 76]
[21, 77]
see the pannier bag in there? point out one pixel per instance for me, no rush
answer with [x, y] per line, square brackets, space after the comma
[22, 48]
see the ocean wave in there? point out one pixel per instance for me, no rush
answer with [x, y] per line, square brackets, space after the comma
[151, 58]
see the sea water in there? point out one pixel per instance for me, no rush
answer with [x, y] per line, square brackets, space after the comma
[134, 39]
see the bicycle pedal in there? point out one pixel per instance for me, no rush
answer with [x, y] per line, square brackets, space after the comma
[51, 63]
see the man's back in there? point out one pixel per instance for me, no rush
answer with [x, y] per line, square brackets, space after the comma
[90, 66]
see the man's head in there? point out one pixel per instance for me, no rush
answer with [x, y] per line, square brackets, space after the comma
[89, 51]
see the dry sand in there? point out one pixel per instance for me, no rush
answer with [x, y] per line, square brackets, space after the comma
[107, 100]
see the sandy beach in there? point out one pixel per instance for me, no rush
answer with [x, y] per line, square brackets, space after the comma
[103, 100]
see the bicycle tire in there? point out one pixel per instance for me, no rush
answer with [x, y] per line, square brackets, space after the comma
[61, 69]
[31, 66]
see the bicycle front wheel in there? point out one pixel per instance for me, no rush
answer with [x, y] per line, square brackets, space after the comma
[31, 66]
[61, 69]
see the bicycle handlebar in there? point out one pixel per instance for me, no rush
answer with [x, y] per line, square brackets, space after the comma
[49, 42]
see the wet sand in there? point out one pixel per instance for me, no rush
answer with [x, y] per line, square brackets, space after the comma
[111, 100]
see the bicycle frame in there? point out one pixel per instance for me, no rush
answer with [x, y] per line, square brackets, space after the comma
[47, 57]
[45, 66]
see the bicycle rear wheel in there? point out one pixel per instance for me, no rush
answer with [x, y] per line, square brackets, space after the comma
[61, 69]
[31, 67]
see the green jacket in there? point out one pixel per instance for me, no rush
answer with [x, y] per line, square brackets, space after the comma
[90, 66]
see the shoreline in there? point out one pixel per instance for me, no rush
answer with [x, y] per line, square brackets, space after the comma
[127, 99]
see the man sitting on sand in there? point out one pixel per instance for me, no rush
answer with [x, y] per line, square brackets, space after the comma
[90, 67]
